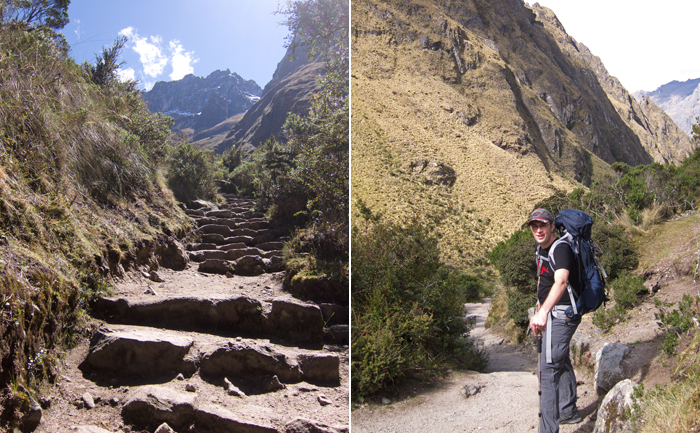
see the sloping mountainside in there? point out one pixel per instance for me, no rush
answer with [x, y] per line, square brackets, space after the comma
[198, 103]
[681, 100]
[466, 113]
[288, 92]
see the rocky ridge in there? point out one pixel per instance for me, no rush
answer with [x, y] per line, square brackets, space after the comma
[681, 100]
[289, 91]
[215, 347]
[199, 103]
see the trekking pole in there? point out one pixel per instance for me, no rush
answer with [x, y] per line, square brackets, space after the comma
[538, 343]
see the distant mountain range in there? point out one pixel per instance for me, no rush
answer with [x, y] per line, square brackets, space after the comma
[681, 100]
[198, 103]
[224, 110]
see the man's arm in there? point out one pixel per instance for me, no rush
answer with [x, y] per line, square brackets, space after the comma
[539, 320]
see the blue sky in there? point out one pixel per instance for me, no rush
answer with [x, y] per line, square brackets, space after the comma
[643, 43]
[171, 38]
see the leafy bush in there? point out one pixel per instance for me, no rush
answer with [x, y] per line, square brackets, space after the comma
[515, 261]
[242, 178]
[191, 173]
[619, 254]
[676, 322]
[407, 308]
[626, 290]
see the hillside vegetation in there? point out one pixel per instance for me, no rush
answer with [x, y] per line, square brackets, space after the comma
[81, 184]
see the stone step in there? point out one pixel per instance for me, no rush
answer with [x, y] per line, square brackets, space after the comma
[194, 212]
[216, 229]
[202, 255]
[289, 319]
[221, 213]
[250, 232]
[234, 252]
[246, 265]
[129, 354]
[269, 246]
[255, 225]
[150, 406]
[201, 246]
[218, 221]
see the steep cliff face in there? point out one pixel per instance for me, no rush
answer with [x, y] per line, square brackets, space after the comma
[499, 94]
[656, 131]
[289, 91]
[200, 103]
[681, 100]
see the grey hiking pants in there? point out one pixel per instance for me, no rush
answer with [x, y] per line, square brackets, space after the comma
[558, 378]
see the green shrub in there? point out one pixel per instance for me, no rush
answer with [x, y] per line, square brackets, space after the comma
[190, 175]
[624, 292]
[619, 253]
[242, 178]
[407, 314]
[515, 261]
[676, 322]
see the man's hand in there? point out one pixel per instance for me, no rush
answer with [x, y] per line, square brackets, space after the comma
[538, 323]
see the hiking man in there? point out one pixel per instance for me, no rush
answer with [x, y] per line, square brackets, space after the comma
[558, 381]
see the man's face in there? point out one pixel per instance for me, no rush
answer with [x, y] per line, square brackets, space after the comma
[543, 233]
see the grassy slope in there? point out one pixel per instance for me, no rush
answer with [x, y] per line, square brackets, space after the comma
[78, 191]
[406, 111]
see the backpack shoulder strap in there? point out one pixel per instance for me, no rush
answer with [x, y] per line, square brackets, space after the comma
[565, 239]
[538, 260]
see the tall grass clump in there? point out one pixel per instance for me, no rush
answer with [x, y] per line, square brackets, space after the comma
[407, 308]
[81, 166]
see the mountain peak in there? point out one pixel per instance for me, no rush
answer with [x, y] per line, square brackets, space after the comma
[200, 103]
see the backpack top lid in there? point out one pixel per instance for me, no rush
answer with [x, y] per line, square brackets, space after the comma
[575, 222]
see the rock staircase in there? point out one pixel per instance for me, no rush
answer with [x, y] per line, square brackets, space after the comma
[220, 346]
[235, 240]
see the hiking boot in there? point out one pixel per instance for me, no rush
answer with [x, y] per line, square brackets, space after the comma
[574, 418]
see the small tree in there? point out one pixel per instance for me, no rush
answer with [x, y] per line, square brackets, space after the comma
[104, 72]
[191, 173]
[51, 13]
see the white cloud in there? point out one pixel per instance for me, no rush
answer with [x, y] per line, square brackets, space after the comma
[78, 33]
[149, 51]
[181, 60]
[126, 74]
[154, 59]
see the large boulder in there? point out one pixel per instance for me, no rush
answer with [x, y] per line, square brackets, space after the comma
[608, 365]
[172, 255]
[615, 410]
[249, 265]
[151, 406]
[140, 354]
[248, 361]
[297, 321]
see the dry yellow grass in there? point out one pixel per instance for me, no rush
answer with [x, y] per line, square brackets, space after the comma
[408, 120]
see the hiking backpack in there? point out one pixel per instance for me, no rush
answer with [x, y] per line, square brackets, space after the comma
[574, 228]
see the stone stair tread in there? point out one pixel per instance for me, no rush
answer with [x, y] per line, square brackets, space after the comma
[282, 317]
[125, 352]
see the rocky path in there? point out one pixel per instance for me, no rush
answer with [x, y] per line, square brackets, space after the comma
[217, 347]
[502, 399]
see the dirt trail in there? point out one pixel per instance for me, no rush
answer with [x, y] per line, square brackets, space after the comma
[185, 349]
[506, 401]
